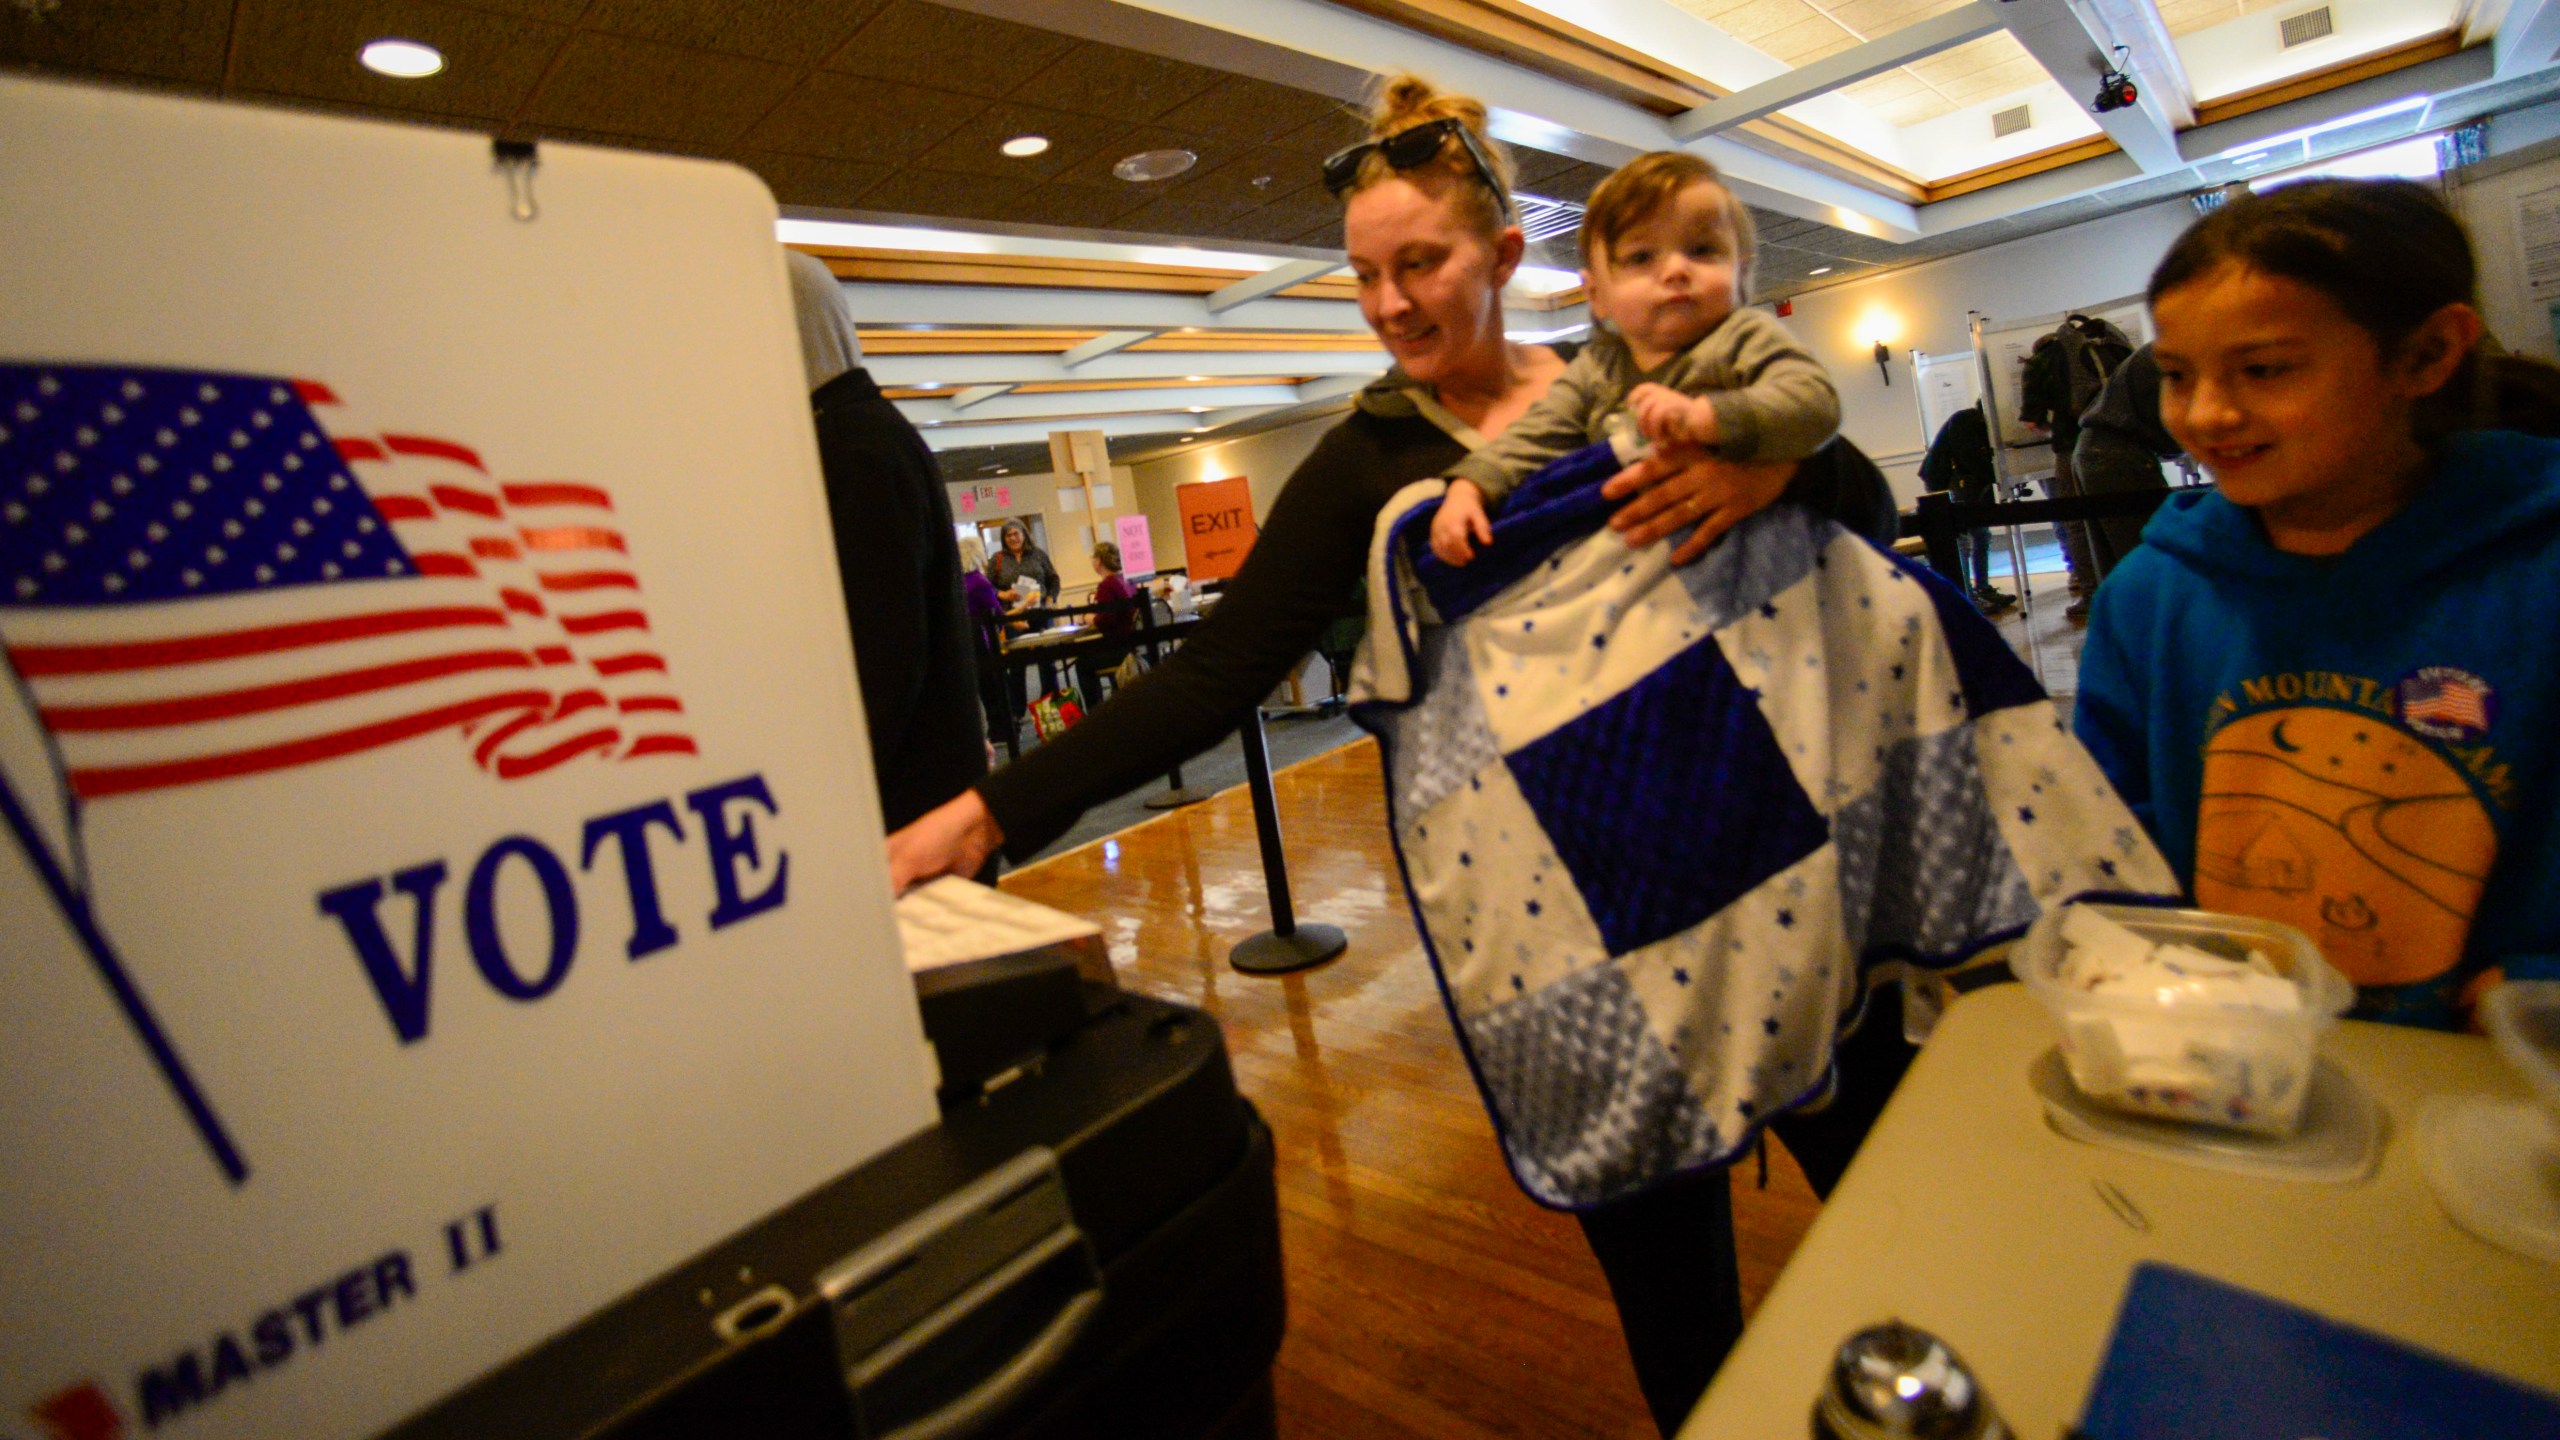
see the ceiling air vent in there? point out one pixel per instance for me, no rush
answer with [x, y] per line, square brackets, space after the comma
[2306, 27]
[2010, 121]
[1543, 219]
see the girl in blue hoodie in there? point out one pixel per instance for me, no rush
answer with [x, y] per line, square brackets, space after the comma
[2331, 685]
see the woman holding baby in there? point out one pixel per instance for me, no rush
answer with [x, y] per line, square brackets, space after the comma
[1432, 237]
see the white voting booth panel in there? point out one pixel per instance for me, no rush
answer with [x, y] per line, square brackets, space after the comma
[443, 879]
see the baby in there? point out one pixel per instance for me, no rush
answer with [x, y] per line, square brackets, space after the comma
[1666, 255]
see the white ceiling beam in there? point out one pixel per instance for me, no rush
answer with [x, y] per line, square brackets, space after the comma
[978, 395]
[967, 370]
[2528, 36]
[1107, 343]
[1269, 282]
[900, 303]
[2071, 44]
[882, 303]
[1885, 52]
[1334, 50]
[955, 437]
[2136, 24]
[2435, 79]
[1068, 405]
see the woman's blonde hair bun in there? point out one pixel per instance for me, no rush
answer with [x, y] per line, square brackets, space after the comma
[1406, 100]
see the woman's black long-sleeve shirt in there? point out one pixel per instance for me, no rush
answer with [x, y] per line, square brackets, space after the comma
[1305, 571]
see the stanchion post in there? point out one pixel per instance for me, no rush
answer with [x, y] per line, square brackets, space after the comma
[1287, 945]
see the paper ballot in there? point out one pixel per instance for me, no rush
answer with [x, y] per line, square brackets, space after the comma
[954, 920]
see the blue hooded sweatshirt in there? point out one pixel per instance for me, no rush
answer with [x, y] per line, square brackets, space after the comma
[2361, 745]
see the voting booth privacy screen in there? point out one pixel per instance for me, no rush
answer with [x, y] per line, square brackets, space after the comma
[441, 873]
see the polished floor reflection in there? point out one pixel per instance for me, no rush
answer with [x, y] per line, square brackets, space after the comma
[1427, 1296]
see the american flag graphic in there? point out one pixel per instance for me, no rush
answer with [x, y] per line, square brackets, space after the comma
[2445, 697]
[207, 576]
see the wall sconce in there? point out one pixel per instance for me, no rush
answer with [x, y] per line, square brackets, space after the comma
[1884, 362]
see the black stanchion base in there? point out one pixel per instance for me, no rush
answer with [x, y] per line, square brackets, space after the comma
[1272, 953]
[1175, 799]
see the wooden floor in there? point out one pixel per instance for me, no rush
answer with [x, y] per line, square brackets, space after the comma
[1428, 1297]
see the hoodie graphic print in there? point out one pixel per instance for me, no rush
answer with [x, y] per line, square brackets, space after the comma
[2359, 746]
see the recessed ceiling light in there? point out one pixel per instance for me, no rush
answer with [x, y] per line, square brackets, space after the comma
[1819, 270]
[1199, 409]
[1023, 147]
[403, 59]
[1154, 164]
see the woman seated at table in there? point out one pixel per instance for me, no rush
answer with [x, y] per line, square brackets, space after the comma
[1117, 618]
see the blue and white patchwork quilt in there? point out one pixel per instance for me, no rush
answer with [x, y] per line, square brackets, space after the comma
[1662, 827]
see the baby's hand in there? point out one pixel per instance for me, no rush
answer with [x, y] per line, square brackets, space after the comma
[1460, 525]
[1668, 417]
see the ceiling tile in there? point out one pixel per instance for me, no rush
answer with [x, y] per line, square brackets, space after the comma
[809, 180]
[1256, 177]
[1963, 60]
[1573, 183]
[1806, 41]
[571, 135]
[637, 87]
[1754, 19]
[1095, 169]
[912, 191]
[1886, 88]
[183, 41]
[1877, 18]
[1072, 138]
[1116, 84]
[790, 32]
[1283, 221]
[1712, 10]
[1174, 215]
[973, 54]
[1327, 236]
[1324, 136]
[491, 61]
[1078, 207]
[855, 119]
[1529, 165]
[1244, 108]
[556, 12]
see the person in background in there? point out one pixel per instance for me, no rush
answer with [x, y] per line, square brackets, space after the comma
[1959, 462]
[986, 622]
[2122, 443]
[1024, 569]
[1432, 238]
[899, 564]
[1117, 619]
[2330, 685]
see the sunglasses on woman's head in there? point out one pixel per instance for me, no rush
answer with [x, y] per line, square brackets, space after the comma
[1406, 149]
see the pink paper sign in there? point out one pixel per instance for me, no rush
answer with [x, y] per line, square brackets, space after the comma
[1137, 549]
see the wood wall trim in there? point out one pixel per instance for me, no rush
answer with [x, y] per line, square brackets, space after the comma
[2055, 158]
[2347, 72]
[937, 267]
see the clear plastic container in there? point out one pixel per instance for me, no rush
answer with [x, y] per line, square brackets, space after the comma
[2523, 1018]
[2237, 1066]
[2494, 1163]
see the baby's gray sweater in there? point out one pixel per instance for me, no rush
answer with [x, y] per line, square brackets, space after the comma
[1772, 400]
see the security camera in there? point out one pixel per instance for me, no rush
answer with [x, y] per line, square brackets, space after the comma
[2115, 88]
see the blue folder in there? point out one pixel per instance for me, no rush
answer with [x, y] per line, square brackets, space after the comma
[2196, 1359]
